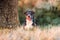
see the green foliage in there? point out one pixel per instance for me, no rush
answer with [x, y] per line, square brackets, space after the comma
[41, 18]
[56, 21]
[45, 17]
[21, 15]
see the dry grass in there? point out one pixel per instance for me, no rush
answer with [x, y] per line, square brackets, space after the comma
[35, 34]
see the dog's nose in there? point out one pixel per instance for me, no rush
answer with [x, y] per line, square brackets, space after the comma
[28, 16]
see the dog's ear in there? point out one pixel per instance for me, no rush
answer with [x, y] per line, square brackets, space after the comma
[33, 12]
[25, 13]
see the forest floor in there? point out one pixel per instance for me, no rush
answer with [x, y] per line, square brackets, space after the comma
[19, 33]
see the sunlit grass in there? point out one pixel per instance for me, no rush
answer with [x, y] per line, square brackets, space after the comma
[52, 33]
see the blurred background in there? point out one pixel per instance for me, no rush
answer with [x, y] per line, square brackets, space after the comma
[47, 12]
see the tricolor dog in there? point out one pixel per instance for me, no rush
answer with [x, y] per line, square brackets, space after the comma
[29, 22]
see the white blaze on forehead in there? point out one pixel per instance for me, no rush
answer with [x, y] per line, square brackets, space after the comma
[29, 14]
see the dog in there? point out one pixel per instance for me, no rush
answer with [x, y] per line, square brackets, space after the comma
[29, 21]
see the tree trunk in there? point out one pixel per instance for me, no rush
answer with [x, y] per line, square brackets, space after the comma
[9, 13]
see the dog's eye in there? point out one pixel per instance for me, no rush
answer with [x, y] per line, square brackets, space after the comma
[26, 13]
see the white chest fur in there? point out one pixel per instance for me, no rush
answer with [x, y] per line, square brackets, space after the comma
[29, 24]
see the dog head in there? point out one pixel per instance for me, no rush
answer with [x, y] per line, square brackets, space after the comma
[29, 15]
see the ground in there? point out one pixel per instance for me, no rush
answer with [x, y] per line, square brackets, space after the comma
[19, 33]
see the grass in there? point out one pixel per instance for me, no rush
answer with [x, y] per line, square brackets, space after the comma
[52, 33]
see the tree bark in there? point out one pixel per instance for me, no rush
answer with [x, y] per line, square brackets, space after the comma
[9, 13]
